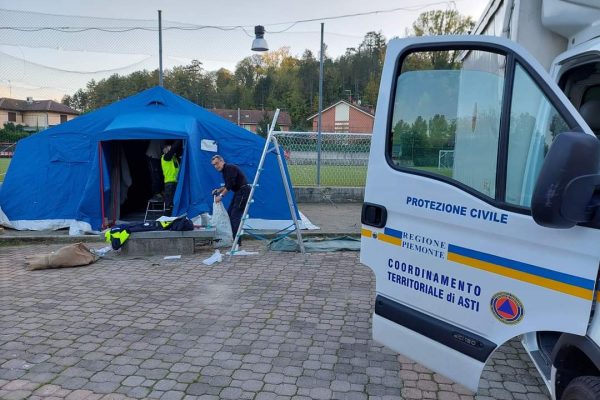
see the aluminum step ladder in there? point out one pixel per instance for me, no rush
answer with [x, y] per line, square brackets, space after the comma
[271, 140]
[155, 207]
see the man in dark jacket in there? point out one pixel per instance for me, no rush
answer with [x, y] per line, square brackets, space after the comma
[236, 182]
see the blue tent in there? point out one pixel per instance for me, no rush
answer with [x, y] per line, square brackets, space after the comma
[65, 176]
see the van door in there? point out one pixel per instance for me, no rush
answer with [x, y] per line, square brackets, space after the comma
[462, 128]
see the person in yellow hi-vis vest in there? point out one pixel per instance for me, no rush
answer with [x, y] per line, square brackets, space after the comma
[170, 168]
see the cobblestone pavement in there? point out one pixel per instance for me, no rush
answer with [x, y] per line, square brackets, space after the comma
[271, 326]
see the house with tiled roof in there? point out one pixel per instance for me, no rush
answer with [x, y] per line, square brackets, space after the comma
[35, 114]
[250, 119]
[345, 117]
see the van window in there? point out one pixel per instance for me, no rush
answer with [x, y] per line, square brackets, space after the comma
[534, 124]
[446, 116]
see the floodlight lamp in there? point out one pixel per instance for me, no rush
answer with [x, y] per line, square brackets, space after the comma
[259, 43]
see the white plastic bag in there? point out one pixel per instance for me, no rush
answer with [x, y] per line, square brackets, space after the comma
[216, 257]
[202, 220]
[243, 253]
[101, 252]
[220, 220]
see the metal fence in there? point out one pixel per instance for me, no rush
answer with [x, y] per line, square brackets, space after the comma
[340, 159]
[6, 152]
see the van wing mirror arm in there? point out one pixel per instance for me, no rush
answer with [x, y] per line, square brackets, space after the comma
[582, 195]
[564, 193]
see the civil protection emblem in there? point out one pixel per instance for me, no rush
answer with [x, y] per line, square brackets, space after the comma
[507, 308]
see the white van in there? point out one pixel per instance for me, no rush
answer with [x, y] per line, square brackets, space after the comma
[481, 219]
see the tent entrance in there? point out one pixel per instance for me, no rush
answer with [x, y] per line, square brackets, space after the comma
[130, 180]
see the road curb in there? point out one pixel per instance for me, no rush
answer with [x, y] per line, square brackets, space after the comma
[18, 240]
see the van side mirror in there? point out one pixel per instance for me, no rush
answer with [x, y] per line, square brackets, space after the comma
[564, 192]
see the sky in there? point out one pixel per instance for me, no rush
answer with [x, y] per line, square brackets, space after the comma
[89, 55]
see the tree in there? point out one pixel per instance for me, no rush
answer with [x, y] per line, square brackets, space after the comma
[371, 90]
[438, 132]
[245, 72]
[262, 91]
[13, 133]
[279, 79]
[308, 79]
[442, 22]
[360, 68]
[223, 79]
[416, 142]
[79, 101]
[227, 95]
[274, 58]
[399, 144]
[191, 82]
[262, 127]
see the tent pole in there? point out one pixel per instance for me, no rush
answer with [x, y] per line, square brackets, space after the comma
[101, 182]
[117, 189]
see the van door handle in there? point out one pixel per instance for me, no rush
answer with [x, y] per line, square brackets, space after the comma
[373, 215]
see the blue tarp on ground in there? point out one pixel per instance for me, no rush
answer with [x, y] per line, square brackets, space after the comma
[55, 175]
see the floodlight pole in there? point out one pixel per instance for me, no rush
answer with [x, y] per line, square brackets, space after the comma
[160, 66]
[320, 121]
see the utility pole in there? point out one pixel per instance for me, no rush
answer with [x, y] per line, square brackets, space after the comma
[320, 127]
[160, 64]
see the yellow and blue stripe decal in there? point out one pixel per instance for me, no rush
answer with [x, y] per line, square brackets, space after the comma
[539, 276]
[558, 281]
[389, 235]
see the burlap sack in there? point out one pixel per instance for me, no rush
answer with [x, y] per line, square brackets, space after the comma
[73, 255]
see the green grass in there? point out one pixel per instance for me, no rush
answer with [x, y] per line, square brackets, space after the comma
[331, 175]
[3, 167]
[339, 175]
[306, 175]
[440, 171]
[301, 175]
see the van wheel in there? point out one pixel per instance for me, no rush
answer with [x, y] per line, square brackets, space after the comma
[583, 388]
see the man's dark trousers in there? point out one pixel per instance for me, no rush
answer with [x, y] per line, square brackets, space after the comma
[236, 209]
[156, 176]
[170, 188]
